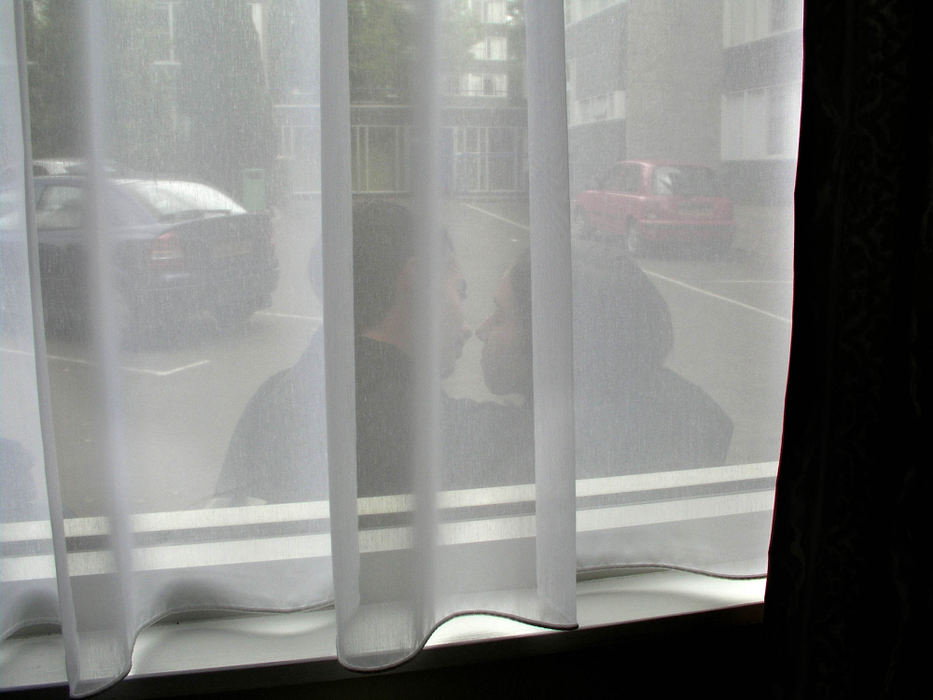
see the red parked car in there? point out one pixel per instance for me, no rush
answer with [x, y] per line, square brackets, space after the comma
[653, 202]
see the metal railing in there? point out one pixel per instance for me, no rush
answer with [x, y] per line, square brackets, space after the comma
[484, 150]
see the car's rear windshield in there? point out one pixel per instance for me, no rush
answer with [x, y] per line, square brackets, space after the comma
[171, 198]
[685, 181]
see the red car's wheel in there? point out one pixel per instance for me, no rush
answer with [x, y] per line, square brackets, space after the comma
[635, 242]
[583, 223]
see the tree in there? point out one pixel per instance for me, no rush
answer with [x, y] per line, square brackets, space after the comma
[293, 54]
[382, 45]
[141, 109]
[57, 102]
[381, 50]
[515, 14]
[224, 105]
[139, 99]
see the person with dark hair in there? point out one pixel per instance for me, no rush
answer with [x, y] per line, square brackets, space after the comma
[275, 455]
[383, 244]
[384, 268]
[384, 265]
[631, 412]
[634, 414]
[278, 451]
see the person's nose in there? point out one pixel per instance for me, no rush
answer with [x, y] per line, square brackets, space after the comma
[465, 333]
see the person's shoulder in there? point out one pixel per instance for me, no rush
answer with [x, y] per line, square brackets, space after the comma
[492, 412]
[288, 386]
[382, 370]
[675, 386]
[272, 445]
[487, 443]
[706, 418]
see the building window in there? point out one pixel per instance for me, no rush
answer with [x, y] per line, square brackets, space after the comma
[786, 14]
[165, 34]
[491, 48]
[750, 20]
[602, 107]
[494, 12]
[496, 48]
[761, 123]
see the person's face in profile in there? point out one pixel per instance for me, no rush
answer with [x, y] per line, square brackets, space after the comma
[506, 336]
[454, 331]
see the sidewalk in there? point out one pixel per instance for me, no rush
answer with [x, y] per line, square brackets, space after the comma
[766, 234]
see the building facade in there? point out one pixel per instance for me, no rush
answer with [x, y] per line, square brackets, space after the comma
[692, 80]
[484, 134]
[710, 81]
[762, 64]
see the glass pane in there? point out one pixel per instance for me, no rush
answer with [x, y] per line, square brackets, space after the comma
[204, 275]
[683, 290]
[501, 157]
[467, 391]
[181, 320]
[28, 591]
[382, 159]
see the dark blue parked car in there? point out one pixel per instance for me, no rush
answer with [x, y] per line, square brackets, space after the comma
[181, 249]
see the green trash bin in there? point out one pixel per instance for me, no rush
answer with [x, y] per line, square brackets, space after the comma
[254, 189]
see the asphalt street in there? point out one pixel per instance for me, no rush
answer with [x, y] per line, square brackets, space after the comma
[180, 402]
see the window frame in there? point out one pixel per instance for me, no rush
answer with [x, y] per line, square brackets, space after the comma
[267, 651]
[751, 611]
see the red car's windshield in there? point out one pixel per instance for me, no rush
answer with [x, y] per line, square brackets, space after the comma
[684, 181]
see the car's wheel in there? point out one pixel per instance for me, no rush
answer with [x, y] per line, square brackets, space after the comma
[635, 242]
[584, 225]
[129, 320]
[719, 248]
[232, 316]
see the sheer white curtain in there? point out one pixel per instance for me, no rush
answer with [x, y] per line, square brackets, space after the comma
[26, 598]
[368, 361]
[454, 551]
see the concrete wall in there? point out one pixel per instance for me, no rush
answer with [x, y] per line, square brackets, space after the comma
[594, 148]
[675, 63]
[668, 58]
[595, 47]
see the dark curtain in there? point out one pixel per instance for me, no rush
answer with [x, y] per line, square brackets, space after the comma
[848, 600]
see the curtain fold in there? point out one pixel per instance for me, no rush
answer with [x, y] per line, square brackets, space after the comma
[28, 593]
[552, 330]
[398, 590]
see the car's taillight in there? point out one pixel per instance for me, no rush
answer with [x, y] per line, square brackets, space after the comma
[166, 251]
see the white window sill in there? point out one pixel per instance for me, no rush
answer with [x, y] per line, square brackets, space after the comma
[204, 645]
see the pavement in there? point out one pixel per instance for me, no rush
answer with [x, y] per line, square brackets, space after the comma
[763, 235]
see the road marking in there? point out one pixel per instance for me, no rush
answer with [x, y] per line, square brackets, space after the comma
[496, 216]
[750, 282]
[669, 279]
[698, 290]
[136, 370]
[166, 373]
[276, 314]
